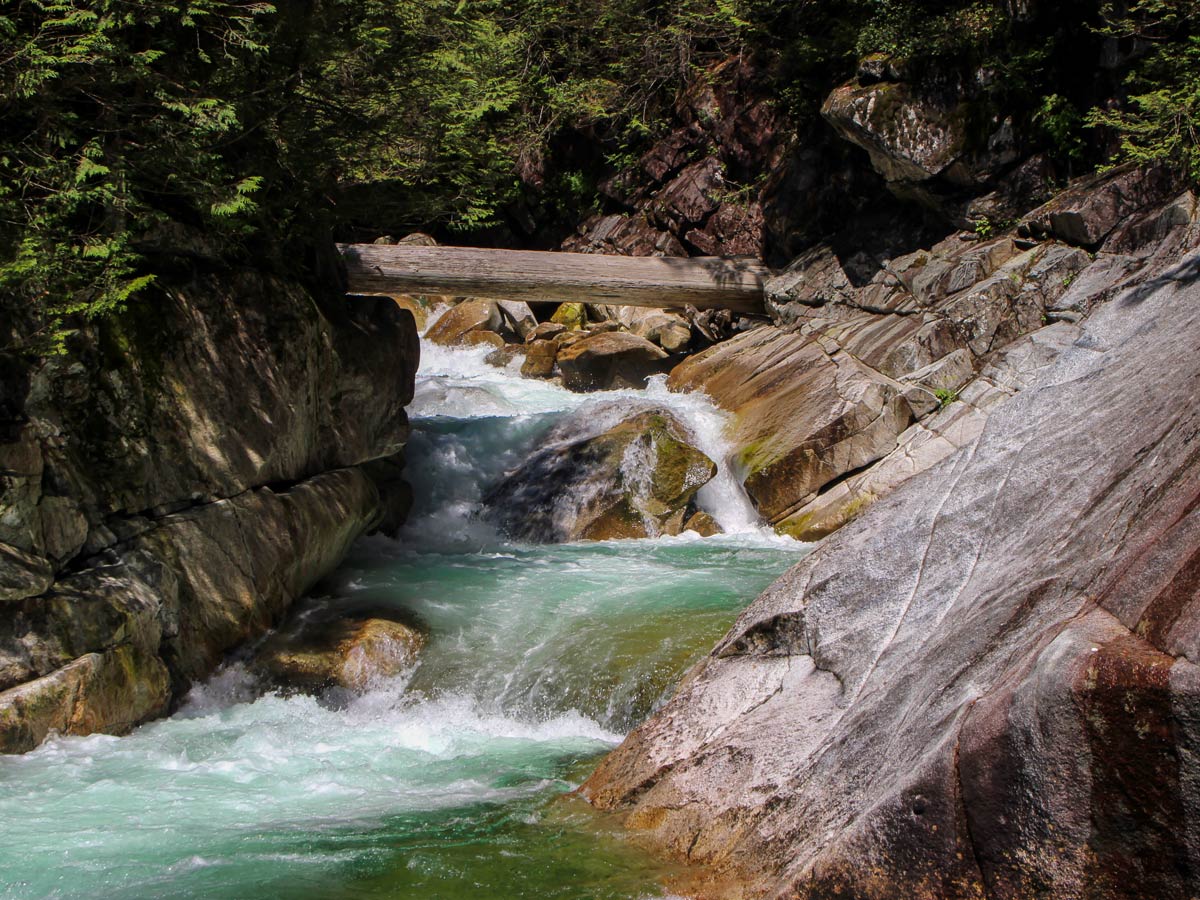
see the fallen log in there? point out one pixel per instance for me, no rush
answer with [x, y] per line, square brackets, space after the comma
[735, 284]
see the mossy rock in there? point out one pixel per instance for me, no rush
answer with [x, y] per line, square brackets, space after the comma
[571, 315]
[635, 479]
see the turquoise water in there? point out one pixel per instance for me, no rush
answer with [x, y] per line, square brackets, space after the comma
[451, 781]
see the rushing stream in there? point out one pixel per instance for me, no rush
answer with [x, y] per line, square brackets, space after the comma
[445, 783]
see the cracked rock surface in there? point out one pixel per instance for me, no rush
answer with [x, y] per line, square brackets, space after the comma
[986, 684]
[169, 488]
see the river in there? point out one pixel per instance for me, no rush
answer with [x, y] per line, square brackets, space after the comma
[451, 781]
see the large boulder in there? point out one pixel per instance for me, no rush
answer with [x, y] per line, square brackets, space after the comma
[986, 685]
[925, 140]
[609, 472]
[610, 360]
[459, 321]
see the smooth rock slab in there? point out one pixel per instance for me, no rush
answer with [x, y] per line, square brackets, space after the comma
[986, 685]
[805, 412]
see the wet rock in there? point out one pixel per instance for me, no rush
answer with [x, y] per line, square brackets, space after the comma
[349, 653]
[502, 357]
[606, 361]
[459, 321]
[703, 524]
[985, 685]
[805, 412]
[111, 691]
[605, 473]
[482, 339]
[539, 359]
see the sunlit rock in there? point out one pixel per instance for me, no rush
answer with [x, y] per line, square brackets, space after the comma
[608, 472]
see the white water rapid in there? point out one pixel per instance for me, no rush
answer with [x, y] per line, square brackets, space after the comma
[449, 781]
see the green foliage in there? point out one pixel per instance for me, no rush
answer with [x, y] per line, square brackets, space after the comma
[113, 118]
[138, 133]
[244, 123]
[1061, 126]
[914, 30]
[945, 397]
[1160, 123]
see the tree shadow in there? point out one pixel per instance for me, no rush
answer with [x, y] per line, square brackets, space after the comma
[1185, 273]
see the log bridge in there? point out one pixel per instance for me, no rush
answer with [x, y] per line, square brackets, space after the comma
[735, 284]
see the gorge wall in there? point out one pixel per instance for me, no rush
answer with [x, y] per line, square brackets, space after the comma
[177, 479]
[982, 683]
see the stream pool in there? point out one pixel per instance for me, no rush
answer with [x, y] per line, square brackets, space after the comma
[452, 780]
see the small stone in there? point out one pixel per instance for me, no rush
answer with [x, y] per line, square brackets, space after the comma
[539, 359]
[546, 331]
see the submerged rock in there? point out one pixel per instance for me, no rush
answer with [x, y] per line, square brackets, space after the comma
[349, 653]
[605, 473]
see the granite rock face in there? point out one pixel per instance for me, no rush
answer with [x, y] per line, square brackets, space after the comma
[177, 480]
[986, 684]
[871, 374]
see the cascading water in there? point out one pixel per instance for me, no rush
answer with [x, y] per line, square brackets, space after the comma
[446, 782]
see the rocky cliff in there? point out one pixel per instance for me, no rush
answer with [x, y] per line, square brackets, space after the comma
[983, 682]
[176, 480]
[986, 685]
